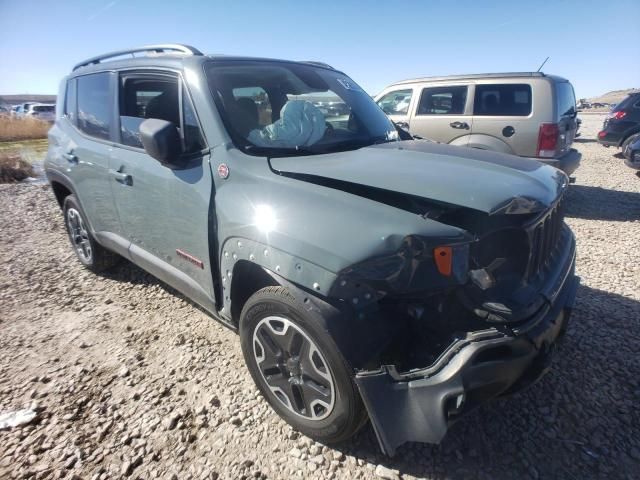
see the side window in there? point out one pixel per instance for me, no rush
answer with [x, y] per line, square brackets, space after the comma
[94, 104]
[503, 100]
[443, 100]
[143, 97]
[396, 102]
[70, 101]
[254, 106]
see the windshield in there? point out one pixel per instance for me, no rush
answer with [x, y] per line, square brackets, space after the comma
[280, 109]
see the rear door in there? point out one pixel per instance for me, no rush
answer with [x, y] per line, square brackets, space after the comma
[397, 104]
[567, 116]
[442, 114]
[85, 147]
[164, 210]
[502, 118]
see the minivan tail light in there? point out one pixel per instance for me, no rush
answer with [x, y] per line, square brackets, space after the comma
[619, 115]
[548, 140]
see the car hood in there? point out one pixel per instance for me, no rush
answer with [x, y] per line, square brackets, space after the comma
[489, 182]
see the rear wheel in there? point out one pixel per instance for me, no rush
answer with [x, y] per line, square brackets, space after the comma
[91, 254]
[298, 368]
[630, 139]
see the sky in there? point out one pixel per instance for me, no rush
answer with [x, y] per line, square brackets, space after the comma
[595, 44]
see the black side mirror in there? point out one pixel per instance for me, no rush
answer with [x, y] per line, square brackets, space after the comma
[161, 140]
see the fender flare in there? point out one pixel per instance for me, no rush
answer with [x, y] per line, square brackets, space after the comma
[62, 179]
[294, 269]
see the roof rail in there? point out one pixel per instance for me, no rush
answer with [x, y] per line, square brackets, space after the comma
[320, 64]
[471, 77]
[176, 47]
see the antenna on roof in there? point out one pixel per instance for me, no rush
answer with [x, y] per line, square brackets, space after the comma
[540, 67]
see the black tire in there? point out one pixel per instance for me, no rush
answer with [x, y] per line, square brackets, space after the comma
[347, 414]
[89, 252]
[630, 139]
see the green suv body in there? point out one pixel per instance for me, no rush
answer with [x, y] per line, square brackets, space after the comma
[369, 277]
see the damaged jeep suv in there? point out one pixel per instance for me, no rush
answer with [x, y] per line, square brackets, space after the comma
[403, 282]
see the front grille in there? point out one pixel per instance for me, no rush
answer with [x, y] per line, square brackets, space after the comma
[544, 237]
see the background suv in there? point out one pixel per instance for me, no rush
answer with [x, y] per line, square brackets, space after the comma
[41, 111]
[526, 114]
[622, 123]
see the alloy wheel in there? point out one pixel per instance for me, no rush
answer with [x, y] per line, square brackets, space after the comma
[293, 367]
[79, 235]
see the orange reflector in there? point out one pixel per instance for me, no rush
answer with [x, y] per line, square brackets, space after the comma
[443, 257]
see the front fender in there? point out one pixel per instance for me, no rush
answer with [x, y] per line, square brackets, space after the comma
[317, 231]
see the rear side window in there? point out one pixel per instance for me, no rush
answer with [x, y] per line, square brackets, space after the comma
[443, 100]
[566, 99]
[396, 102]
[70, 101]
[512, 100]
[94, 104]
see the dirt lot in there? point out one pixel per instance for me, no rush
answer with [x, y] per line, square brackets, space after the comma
[130, 379]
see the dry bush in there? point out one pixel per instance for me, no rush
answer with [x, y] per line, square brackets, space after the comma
[13, 168]
[22, 129]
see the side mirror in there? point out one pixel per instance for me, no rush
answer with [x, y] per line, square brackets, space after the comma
[161, 140]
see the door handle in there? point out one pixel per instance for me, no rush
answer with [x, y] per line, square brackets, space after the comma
[459, 125]
[123, 178]
[70, 157]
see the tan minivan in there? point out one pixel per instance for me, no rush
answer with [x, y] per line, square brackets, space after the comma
[526, 114]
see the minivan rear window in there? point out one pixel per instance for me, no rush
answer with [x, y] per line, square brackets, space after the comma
[566, 99]
[511, 100]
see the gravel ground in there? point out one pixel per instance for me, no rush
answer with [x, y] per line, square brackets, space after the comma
[130, 379]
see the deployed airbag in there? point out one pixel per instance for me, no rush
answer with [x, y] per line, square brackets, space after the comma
[301, 124]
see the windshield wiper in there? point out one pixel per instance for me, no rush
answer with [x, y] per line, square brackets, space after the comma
[278, 151]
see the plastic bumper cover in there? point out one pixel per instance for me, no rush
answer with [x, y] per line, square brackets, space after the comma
[568, 163]
[420, 405]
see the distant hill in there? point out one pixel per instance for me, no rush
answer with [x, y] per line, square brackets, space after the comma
[615, 96]
[17, 99]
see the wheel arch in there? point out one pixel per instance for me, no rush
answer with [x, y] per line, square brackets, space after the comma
[627, 136]
[247, 278]
[60, 191]
[488, 142]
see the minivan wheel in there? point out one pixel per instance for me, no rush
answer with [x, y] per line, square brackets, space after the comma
[91, 254]
[298, 368]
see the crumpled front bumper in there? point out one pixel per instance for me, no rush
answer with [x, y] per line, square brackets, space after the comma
[421, 404]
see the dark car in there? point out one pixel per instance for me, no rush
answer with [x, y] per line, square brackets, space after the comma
[632, 152]
[621, 123]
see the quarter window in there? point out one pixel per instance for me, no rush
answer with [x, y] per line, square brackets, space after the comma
[70, 101]
[94, 104]
[396, 102]
[502, 100]
[443, 100]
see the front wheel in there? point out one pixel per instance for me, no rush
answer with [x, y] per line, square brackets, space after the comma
[298, 368]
